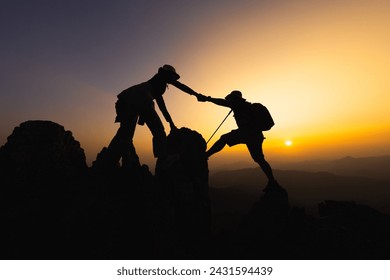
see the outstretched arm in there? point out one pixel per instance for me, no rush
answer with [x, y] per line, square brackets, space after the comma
[217, 101]
[200, 97]
[183, 87]
[164, 111]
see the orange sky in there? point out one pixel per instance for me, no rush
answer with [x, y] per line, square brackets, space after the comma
[321, 68]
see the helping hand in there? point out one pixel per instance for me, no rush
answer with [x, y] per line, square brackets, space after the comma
[201, 97]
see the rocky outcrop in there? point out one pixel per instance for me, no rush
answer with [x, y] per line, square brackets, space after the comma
[274, 230]
[185, 185]
[41, 168]
[54, 207]
[352, 231]
[42, 149]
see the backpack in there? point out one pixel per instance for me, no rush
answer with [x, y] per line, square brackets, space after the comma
[262, 118]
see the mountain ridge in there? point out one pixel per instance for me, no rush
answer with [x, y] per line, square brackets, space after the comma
[307, 188]
[377, 167]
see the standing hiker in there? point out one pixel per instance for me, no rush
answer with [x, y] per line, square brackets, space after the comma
[135, 104]
[249, 132]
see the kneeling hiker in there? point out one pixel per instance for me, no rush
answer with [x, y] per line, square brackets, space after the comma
[252, 120]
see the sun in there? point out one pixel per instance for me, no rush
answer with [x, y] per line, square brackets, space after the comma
[288, 143]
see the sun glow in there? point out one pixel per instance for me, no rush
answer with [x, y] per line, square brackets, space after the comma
[288, 143]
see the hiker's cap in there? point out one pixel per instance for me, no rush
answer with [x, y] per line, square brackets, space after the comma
[169, 69]
[235, 95]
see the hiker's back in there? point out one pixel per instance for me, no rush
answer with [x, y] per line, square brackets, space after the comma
[241, 114]
[261, 116]
[254, 116]
[137, 96]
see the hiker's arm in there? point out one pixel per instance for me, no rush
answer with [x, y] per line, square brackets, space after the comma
[164, 111]
[217, 101]
[184, 88]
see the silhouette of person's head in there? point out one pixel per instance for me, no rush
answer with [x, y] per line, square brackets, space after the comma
[234, 97]
[168, 73]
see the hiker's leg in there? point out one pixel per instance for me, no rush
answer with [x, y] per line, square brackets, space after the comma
[129, 155]
[156, 127]
[232, 138]
[122, 143]
[256, 150]
[218, 146]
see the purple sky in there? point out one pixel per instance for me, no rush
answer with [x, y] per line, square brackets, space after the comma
[66, 61]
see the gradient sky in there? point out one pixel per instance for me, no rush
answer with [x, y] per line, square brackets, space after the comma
[321, 67]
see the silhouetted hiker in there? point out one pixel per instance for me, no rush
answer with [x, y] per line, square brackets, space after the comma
[136, 104]
[248, 132]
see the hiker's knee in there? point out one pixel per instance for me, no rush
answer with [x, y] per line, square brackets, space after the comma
[225, 139]
[124, 132]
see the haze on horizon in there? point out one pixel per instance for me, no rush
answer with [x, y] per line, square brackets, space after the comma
[321, 67]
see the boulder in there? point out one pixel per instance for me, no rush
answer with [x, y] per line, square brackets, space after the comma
[37, 149]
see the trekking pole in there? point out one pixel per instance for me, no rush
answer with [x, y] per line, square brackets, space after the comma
[218, 127]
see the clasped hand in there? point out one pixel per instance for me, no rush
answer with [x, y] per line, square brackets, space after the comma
[201, 97]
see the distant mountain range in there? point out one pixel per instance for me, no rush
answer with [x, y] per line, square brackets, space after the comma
[370, 167]
[236, 190]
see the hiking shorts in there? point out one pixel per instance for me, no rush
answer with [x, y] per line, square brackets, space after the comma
[243, 136]
[251, 137]
[129, 107]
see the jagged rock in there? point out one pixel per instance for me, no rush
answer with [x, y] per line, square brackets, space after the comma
[352, 231]
[40, 165]
[185, 184]
[53, 207]
[190, 169]
[103, 165]
[125, 216]
[41, 149]
[261, 234]
[273, 230]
